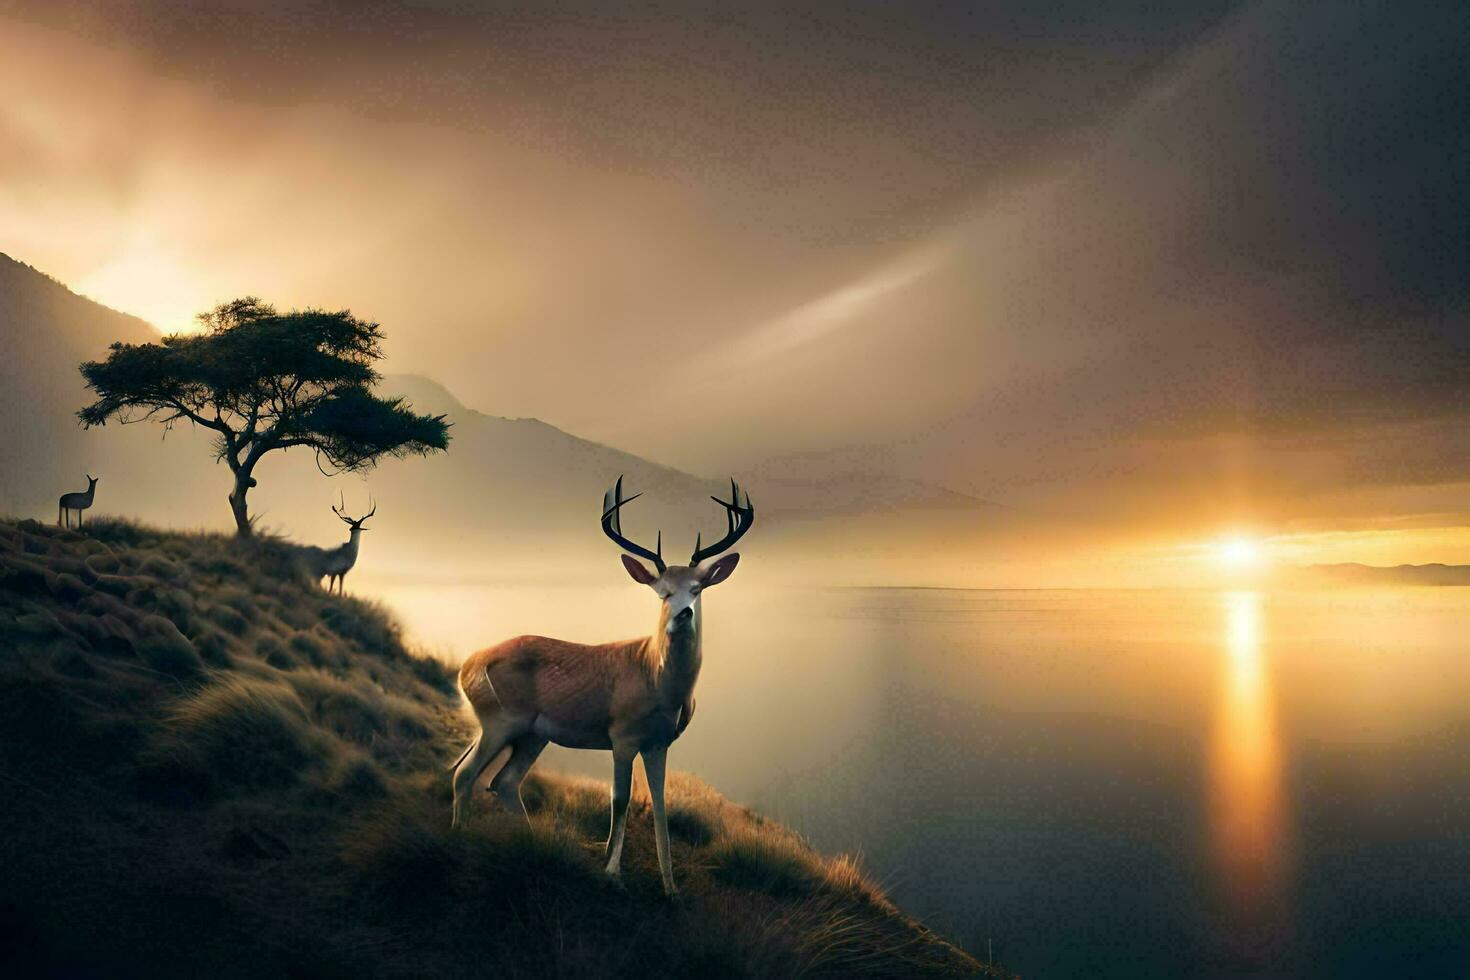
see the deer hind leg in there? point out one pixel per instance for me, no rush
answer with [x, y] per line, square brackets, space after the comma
[495, 734]
[507, 782]
[622, 788]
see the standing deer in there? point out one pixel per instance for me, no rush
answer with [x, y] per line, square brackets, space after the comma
[78, 502]
[633, 697]
[335, 563]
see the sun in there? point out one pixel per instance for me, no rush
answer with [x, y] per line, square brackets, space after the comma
[1238, 552]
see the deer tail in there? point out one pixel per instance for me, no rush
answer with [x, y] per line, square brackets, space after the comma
[464, 755]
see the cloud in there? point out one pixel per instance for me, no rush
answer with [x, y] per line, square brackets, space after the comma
[1084, 255]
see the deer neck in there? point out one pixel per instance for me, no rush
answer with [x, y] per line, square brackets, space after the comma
[676, 658]
[352, 541]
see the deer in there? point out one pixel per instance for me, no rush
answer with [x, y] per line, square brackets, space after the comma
[633, 697]
[78, 501]
[335, 563]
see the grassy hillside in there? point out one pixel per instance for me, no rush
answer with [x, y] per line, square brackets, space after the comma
[210, 766]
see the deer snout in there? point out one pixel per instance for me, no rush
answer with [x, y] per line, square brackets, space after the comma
[681, 620]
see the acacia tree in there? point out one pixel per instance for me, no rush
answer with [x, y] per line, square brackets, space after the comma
[264, 381]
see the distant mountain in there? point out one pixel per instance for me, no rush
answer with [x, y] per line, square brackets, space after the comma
[46, 330]
[522, 484]
[506, 484]
[1355, 574]
[512, 496]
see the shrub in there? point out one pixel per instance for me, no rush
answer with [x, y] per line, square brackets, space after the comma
[580, 805]
[365, 623]
[104, 563]
[178, 605]
[690, 825]
[394, 728]
[162, 647]
[771, 862]
[161, 567]
[352, 711]
[359, 779]
[270, 649]
[435, 673]
[212, 645]
[227, 618]
[239, 600]
[67, 587]
[845, 875]
[250, 733]
[310, 647]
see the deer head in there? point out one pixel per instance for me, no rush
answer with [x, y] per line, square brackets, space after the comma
[91, 481]
[679, 586]
[355, 523]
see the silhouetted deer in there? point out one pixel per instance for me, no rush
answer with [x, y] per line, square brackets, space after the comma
[76, 502]
[335, 563]
[633, 697]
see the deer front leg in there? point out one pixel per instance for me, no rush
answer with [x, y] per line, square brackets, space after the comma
[622, 787]
[653, 768]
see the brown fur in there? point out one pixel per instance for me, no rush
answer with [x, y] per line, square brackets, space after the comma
[607, 689]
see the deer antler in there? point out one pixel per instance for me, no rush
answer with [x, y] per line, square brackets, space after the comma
[341, 510]
[612, 502]
[738, 517]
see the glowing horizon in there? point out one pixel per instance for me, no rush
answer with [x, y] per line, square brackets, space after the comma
[826, 286]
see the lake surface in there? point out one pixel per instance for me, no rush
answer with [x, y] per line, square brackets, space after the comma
[1135, 783]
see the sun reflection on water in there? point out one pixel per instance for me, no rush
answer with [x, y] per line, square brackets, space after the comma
[1248, 804]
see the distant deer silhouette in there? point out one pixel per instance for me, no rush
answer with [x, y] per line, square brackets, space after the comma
[78, 502]
[335, 563]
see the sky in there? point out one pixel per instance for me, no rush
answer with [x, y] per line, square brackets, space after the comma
[1157, 275]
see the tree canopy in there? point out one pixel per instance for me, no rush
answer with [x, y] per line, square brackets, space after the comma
[262, 381]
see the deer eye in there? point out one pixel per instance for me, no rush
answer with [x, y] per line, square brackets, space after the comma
[694, 589]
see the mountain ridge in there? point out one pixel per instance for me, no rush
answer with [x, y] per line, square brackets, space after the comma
[511, 491]
[1356, 573]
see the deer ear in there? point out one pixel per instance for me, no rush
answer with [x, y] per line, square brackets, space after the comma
[721, 570]
[638, 571]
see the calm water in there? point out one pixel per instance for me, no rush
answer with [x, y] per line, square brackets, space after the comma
[1100, 783]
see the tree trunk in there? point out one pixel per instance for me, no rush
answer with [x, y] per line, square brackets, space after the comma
[243, 482]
